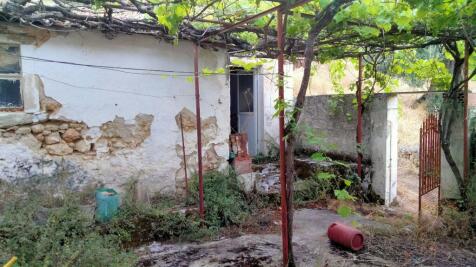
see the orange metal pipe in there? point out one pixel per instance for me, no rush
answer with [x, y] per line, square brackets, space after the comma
[184, 158]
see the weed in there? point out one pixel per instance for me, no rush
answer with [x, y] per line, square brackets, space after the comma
[225, 203]
[138, 223]
[60, 236]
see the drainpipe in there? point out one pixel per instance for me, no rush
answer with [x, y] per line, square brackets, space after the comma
[199, 132]
[282, 148]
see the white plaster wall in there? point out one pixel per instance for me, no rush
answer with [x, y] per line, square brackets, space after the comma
[338, 135]
[392, 148]
[95, 96]
[269, 85]
[383, 146]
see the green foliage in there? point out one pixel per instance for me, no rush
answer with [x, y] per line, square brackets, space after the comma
[225, 203]
[344, 211]
[171, 15]
[416, 66]
[137, 223]
[60, 236]
[249, 64]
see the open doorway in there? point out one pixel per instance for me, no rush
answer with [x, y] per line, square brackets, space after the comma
[414, 108]
[243, 107]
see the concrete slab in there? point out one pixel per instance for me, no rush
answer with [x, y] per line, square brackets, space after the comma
[311, 246]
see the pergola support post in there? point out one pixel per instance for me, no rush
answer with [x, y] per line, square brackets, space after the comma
[465, 114]
[282, 147]
[359, 119]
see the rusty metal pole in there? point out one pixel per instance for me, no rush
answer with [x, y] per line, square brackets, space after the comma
[359, 119]
[282, 148]
[184, 158]
[465, 110]
[420, 174]
[199, 132]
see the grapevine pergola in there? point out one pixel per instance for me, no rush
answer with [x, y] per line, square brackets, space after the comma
[310, 29]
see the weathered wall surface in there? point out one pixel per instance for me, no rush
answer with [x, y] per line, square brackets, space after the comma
[449, 185]
[115, 125]
[335, 128]
[269, 124]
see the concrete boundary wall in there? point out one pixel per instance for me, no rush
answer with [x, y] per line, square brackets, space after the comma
[333, 120]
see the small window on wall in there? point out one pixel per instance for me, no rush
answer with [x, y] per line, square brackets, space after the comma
[10, 76]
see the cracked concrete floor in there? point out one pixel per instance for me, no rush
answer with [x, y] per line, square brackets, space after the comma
[311, 246]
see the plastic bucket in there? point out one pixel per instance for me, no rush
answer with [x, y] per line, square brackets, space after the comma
[346, 236]
[107, 204]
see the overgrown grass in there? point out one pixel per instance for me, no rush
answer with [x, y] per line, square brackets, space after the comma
[43, 229]
[225, 203]
[63, 235]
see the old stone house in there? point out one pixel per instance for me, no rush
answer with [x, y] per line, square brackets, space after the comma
[109, 110]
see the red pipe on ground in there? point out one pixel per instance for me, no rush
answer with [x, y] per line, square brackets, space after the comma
[282, 148]
[199, 133]
[346, 236]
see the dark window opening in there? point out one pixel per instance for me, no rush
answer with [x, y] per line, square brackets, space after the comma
[10, 76]
[10, 95]
[9, 59]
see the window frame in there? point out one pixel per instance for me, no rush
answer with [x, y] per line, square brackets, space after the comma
[17, 76]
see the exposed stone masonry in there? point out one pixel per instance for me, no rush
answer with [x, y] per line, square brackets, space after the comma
[60, 138]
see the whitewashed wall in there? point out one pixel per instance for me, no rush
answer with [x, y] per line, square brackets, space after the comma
[269, 139]
[95, 96]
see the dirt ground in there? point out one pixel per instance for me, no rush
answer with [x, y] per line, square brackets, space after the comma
[408, 144]
[407, 187]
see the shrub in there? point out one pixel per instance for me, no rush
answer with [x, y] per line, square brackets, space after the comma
[225, 203]
[60, 236]
[137, 223]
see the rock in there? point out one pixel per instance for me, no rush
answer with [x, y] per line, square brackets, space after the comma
[118, 144]
[82, 146]
[75, 125]
[37, 128]
[102, 146]
[30, 141]
[71, 135]
[71, 145]
[8, 119]
[51, 127]
[8, 134]
[12, 129]
[53, 138]
[46, 133]
[64, 126]
[247, 181]
[40, 137]
[268, 182]
[49, 104]
[23, 130]
[59, 149]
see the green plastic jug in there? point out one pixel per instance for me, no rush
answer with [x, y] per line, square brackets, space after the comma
[107, 204]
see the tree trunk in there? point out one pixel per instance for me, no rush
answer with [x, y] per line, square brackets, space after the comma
[322, 19]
